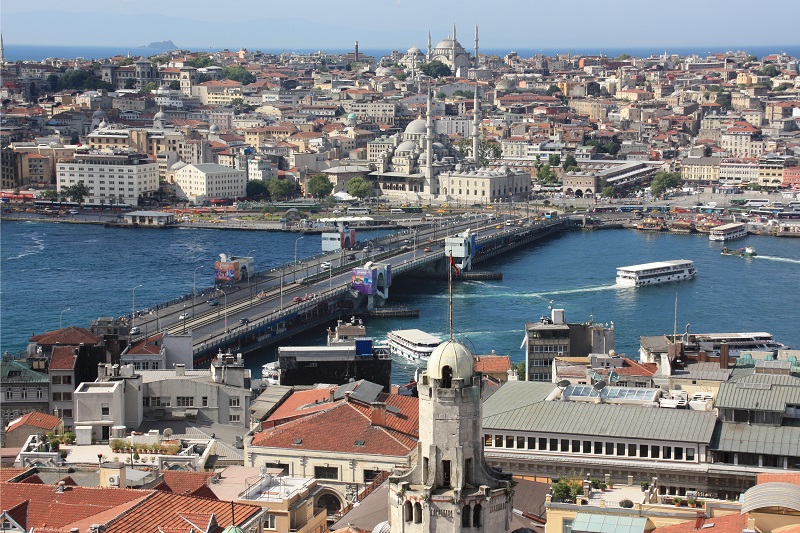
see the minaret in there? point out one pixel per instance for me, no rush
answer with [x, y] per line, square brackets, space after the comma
[2, 51]
[356, 51]
[454, 32]
[429, 142]
[429, 47]
[476, 45]
[475, 124]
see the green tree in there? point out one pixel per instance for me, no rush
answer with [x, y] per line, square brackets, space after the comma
[175, 85]
[487, 150]
[76, 192]
[567, 489]
[663, 181]
[359, 187]
[553, 89]
[770, 70]
[238, 73]
[130, 83]
[401, 77]
[521, 374]
[607, 146]
[50, 196]
[150, 87]
[436, 69]
[608, 192]
[782, 87]
[441, 95]
[81, 80]
[280, 189]
[257, 189]
[201, 62]
[569, 162]
[319, 186]
[159, 60]
[752, 59]
[546, 174]
[125, 62]
[554, 160]
[623, 57]
[462, 93]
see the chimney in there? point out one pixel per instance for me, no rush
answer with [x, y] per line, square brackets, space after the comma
[331, 394]
[377, 414]
[180, 370]
[724, 355]
[347, 396]
[702, 356]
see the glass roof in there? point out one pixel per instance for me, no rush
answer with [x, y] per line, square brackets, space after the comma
[626, 394]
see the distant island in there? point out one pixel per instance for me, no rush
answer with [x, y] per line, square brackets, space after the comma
[162, 45]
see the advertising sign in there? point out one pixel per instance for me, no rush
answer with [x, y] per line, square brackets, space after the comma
[227, 271]
[364, 280]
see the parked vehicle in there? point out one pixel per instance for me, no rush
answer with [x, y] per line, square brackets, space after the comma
[212, 302]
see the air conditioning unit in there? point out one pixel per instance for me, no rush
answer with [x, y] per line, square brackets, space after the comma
[113, 481]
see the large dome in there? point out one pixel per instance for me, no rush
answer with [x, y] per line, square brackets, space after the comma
[453, 354]
[416, 127]
[406, 146]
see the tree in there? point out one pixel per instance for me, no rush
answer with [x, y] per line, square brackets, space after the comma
[402, 76]
[130, 83]
[663, 181]
[608, 146]
[553, 89]
[487, 150]
[124, 62]
[751, 59]
[76, 192]
[238, 73]
[175, 85]
[53, 82]
[280, 188]
[150, 87]
[159, 59]
[256, 189]
[436, 69]
[546, 174]
[441, 95]
[770, 70]
[554, 160]
[623, 57]
[608, 192]
[201, 62]
[82, 79]
[319, 186]
[567, 489]
[50, 196]
[521, 375]
[359, 187]
[782, 87]
[569, 162]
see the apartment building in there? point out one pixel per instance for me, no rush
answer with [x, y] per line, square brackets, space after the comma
[112, 177]
[201, 182]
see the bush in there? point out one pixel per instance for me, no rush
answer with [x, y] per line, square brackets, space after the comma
[117, 445]
[626, 504]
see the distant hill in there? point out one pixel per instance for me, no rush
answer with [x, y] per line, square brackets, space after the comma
[162, 45]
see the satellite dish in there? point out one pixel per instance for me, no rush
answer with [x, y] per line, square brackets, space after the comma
[600, 385]
[563, 384]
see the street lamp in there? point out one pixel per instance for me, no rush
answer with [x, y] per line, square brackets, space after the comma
[294, 266]
[133, 305]
[250, 254]
[61, 315]
[194, 288]
[184, 318]
[225, 308]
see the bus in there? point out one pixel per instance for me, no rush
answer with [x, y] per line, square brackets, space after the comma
[359, 210]
[605, 209]
[757, 203]
[630, 208]
[551, 214]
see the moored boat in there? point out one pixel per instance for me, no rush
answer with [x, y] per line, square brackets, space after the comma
[652, 224]
[682, 226]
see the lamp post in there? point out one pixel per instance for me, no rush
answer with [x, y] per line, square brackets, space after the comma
[60, 315]
[294, 266]
[225, 309]
[133, 305]
[250, 288]
[184, 318]
[194, 288]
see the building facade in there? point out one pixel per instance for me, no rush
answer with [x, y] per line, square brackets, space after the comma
[118, 177]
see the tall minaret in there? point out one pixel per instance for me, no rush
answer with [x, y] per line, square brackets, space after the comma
[2, 51]
[429, 142]
[454, 32]
[429, 46]
[476, 45]
[475, 124]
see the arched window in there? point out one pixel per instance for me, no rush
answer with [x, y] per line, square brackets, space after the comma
[465, 516]
[408, 512]
[417, 513]
[476, 515]
[447, 377]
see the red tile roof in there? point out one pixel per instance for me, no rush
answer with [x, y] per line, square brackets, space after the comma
[10, 473]
[728, 523]
[37, 420]
[492, 364]
[72, 336]
[63, 358]
[148, 346]
[179, 482]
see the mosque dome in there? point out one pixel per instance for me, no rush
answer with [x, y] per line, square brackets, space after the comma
[177, 166]
[103, 124]
[406, 146]
[352, 116]
[99, 114]
[383, 71]
[451, 354]
[382, 527]
[416, 127]
[414, 50]
[213, 128]
[160, 115]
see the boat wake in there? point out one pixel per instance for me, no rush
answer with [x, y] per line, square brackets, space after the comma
[578, 290]
[37, 248]
[780, 259]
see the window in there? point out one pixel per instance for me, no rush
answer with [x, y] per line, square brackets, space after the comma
[587, 446]
[105, 411]
[521, 442]
[644, 450]
[66, 413]
[24, 393]
[576, 446]
[205, 401]
[184, 401]
[9, 394]
[498, 441]
[553, 445]
[531, 443]
[326, 472]
[66, 396]
[667, 452]
[690, 454]
[233, 401]
[39, 393]
[56, 396]
[655, 452]
[509, 442]
[598, 448]
[678, 454]
[487, 441]
[609, 448]
[631, 450]
[55, 380]
[620, 448]
[269, 522]
[66, 380]
[235, 418]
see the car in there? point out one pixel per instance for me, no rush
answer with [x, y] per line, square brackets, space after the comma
[74, 211]
[135, 330]
[499, 226]
[183, 316]
[427, 249]
[351, 257]
[297, 299]
[325, 266]
[407, 241]
[380, 248]
[244, 321]
[212, 302]
[337, 211]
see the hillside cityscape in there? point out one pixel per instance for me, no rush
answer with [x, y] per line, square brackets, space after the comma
[434, 163]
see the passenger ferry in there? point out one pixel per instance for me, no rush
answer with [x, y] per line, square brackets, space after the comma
[413, 344]
[655, 273]
[727, 232]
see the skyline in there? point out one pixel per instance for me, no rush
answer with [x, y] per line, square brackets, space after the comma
[395, 24]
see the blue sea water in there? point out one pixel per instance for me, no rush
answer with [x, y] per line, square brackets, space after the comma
[48, 267]
[15, 52]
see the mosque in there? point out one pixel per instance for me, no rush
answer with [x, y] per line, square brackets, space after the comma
[449, 51]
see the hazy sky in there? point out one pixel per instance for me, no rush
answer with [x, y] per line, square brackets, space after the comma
[380, 24]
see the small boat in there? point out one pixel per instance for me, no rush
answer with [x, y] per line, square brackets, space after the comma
[747, 251]
[682, 226]
[652, 224]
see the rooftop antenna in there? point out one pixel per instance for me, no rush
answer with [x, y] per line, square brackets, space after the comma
[450, 268]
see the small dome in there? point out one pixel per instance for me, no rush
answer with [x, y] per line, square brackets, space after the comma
[102, 124]
[177, 166]
[453, 354]
[416, 127]
[414, 51]
[352, 116]
[382, 527]
[213, 129]
[99, 114]
[406, 146]
[160, 116]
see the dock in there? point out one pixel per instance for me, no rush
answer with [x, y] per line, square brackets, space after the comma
[393, 312]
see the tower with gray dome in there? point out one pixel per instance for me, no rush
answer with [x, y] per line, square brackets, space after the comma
[451, 487]
[450, 52]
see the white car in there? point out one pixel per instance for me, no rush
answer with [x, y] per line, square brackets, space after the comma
[183, 316]
[325, 266]
[135, 330]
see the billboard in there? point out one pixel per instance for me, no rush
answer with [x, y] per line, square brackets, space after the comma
[227, 271]
[364, 280]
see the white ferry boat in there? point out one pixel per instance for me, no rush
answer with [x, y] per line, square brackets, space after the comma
[655, 273]
[413, 344]
[727, 232]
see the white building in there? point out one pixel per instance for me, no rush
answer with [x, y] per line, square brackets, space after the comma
[484, 185]
[260, 168]
[204, 181]
[112, 177]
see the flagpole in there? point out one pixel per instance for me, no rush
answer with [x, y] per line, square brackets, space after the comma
[450, 290]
